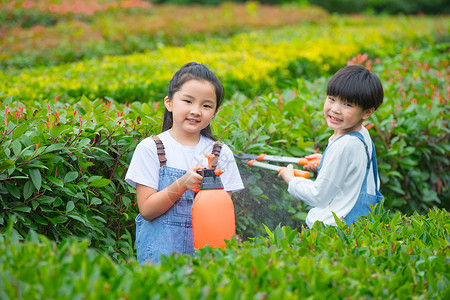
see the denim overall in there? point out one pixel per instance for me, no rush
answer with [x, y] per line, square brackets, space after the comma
[172, 231]
[362, 205]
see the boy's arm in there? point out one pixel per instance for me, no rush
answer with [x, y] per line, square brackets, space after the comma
[312, 166]
[343, 165]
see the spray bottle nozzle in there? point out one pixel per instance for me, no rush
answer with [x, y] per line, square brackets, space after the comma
[210, 157]
[211, 179]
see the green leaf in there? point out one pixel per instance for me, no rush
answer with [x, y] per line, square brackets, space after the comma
[39, 219]
[95, 201]
[57, 129]
[28, 190]
[35, 175]
[338, 221]
[80, 110]
[6, 164]
[22, 209]
[71, 176]
[70, 206]
[19, 131]
[44, 199]
[77, 217]
[13, 190]
[58, 219]
[93, 178]
[100, 183]
[55, 181]
[84, 142]
[17, 147]
[53, 147]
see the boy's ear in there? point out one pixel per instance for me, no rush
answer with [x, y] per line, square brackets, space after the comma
[168, 104]
[368, 112]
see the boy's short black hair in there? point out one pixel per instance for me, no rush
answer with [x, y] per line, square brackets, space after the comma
[356, 85]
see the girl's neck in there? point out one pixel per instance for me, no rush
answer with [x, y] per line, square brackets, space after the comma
[186, 139]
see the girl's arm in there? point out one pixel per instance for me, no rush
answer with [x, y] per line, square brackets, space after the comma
[152, 203]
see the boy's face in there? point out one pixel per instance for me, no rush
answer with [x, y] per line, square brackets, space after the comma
[343, 117]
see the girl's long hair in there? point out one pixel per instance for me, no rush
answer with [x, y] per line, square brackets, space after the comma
[188, 72]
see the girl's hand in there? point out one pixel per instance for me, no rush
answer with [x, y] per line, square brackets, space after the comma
[312, 166]
[192, 180]
[287, 174]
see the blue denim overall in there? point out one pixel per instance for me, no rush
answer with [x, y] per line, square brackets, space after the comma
[362, 205]
[172, 231]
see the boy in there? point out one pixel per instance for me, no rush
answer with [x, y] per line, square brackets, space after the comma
[348, 181]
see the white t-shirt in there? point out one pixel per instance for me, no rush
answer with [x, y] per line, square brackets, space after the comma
[339, 181]
[144, 166]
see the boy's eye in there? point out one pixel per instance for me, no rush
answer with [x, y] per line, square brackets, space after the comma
[330, 98]
[348, 104]
[207, 106]
[188, 101]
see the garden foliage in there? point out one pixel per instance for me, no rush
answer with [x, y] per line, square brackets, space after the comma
[59, 31]
[253, 63]
[403, 257]
[68, 133]
[62, 166]
[385, 6]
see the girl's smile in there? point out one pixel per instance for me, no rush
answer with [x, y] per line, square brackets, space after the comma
[193, 108]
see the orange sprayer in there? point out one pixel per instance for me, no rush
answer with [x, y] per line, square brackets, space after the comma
[212, 211]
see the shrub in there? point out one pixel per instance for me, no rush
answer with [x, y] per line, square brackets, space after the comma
[385, 6]
[258, 66]
[62, 179]
[66, 32]
[62, 170]
[379, 257]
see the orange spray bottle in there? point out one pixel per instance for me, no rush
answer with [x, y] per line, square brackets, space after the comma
[212, 211]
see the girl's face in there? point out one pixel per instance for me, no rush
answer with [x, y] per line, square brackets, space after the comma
[344, 117]
[192, 107]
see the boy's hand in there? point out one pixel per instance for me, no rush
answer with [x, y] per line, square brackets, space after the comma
[192, 180]
[312, 166]
[287, 174]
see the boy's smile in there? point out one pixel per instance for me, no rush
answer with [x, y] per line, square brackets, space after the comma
[344, 117]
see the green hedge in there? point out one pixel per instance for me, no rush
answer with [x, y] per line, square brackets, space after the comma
[385, 6]
[252, 63]
[62, 165]
[403, 257]
[349, 6]
[62, 170]
[45, 33]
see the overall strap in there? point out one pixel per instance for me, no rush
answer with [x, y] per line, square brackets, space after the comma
[361, 138]
[359, 135]
[216, 151]
[160, 151]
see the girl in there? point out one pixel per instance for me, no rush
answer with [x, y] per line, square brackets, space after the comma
[163, 168]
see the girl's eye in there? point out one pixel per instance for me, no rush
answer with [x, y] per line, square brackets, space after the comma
[188, 101]
[207, 106]
[331, 98]
[348, 104]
